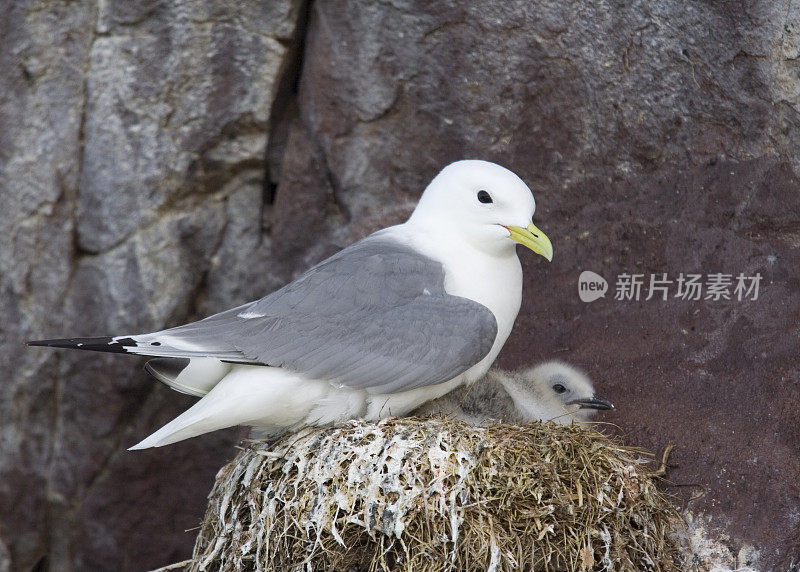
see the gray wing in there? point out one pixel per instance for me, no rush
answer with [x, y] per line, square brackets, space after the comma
[374, 316]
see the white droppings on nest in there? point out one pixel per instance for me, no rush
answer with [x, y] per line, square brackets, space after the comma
[379, 477]
[437, 494]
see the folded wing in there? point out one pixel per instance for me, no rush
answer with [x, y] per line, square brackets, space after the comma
[374, 316]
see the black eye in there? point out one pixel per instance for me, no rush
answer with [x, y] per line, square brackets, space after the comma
[484, 197]
[558, 388]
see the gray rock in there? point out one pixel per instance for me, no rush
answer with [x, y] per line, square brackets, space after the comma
[119, 164]
[155, 130]
[5, 558]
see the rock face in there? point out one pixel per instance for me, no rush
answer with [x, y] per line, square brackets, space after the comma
[160, 161]
[133, 198]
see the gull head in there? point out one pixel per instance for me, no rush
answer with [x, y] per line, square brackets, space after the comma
[559, 389]
[484, 205]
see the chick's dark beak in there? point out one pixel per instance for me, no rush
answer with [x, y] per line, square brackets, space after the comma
[594, 402]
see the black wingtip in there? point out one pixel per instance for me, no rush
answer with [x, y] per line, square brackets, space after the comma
[104, 344]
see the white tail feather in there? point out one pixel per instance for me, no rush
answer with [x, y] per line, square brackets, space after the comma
[246, 396]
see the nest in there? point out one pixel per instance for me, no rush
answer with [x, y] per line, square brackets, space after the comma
[436, 494]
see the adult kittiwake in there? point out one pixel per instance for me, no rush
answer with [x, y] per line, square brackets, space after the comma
[399, 318]
[551, 391]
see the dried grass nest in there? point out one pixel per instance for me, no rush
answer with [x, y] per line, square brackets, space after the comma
[436, 494]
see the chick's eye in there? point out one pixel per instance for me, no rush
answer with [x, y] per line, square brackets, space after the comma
[558, 388]
[484, 197]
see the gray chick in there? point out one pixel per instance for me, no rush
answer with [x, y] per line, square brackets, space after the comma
[551, 391]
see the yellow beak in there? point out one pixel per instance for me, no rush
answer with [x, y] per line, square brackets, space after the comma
[533, 238]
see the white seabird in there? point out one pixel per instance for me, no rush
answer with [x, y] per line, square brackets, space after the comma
[399, 318]
[552, 391]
